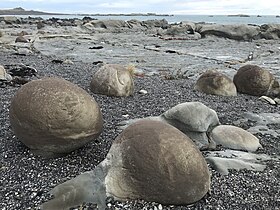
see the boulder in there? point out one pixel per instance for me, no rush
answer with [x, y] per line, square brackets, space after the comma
[235, 31]
[233, 137]
[254, 80]
[194, 119]
[215, 83]
[155, 24]
[4, 76]
[113, 80]
[149, 160]
[52, 116]
[107, 24]
[270, 31]
[21, 39]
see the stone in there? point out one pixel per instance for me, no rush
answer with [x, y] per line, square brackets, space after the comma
[233, 137]
[22, 39]
[192, 116]
[215, 83]
[149, 160]
[4, 76]
[267, 100]
[113, 80]
[52, 116]
[270, 31]
[235, 31]
[254, 80]
[222, 161]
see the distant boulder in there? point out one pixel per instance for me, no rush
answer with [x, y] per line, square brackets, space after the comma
[254, 80]
[270, 31]
[215, 83]
[236, 31]
[113, 80]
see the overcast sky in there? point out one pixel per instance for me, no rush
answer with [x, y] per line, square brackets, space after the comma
[186, 7]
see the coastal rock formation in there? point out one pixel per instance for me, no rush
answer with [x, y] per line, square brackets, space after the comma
[254, 80]
[52, 116]
[149, 160]
[233, 137]
[113, 80]
[270, 31]
[237, 32]
[215, 83]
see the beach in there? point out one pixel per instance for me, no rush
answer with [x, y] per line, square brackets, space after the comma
[167, 67]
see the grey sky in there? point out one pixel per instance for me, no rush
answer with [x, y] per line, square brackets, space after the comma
[186, 7]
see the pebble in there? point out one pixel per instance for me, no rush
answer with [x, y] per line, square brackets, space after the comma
[143, 92]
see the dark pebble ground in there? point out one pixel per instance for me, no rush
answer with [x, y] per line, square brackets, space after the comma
[25, 179]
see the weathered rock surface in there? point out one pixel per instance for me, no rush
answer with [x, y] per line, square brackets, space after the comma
[270, 31]
[237, 32]
[254, 80]
[113, 80]
[52, 116]
[222, 161]
[215, 83]
[233, 137]
[149, 160]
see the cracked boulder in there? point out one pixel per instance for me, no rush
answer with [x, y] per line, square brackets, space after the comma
[215, 83]
[113, 80]
[52, 116]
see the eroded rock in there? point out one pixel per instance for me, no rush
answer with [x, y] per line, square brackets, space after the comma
[52, 116]
[215, 83]
[113, 80]
[254, 80]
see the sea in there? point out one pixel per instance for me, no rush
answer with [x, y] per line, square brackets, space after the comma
[218, 19]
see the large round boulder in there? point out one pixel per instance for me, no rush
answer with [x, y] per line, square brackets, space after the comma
[113, 80]
[215, 83]
[52, 116]
[154, 161]
[234, 138]
[254, 80]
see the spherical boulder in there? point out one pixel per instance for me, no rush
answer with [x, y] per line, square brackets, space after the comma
[154, 161]
[254, 80]
[113, 80]
[215, 83]
[233, 137]
[52, 116]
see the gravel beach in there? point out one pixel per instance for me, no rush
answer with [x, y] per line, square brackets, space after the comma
[26, 179]
[170, 69]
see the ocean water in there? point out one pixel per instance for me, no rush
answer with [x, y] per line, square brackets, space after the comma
[219, 19]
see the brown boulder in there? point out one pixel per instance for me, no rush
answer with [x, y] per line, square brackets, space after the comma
[52, 116]
[156, 162]
[113, 80]
[215, 83]
[254, 80]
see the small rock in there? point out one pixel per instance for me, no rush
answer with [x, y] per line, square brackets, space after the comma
[143, 91]
[267, 99]
[67, 61]
[277, 100]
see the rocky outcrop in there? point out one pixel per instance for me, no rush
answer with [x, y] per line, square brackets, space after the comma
[237, 32]
[270, 31]
[52, 116]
